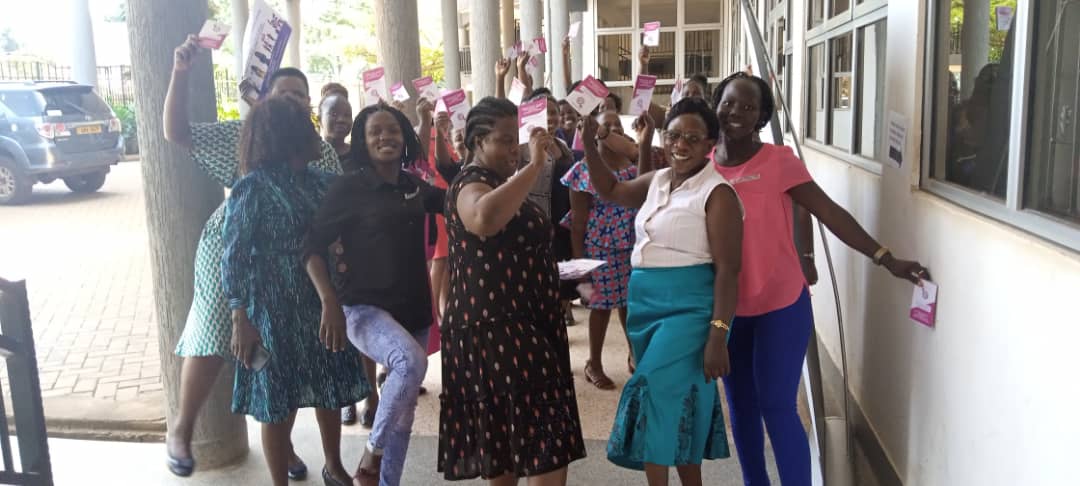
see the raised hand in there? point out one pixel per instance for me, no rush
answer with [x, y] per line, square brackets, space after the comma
[502, 67]
[184, 55]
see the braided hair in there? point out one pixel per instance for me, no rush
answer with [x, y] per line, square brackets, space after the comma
[767, 105]
[482, 119]
[411, 154]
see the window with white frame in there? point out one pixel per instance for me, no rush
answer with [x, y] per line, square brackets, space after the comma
[780, 53]
[845, 67]
[1003, 96]
[691, 41]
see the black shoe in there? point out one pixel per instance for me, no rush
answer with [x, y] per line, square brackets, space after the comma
[367, 416]
[329, 480]
[298, 472]
[182, 467]
[348, 415]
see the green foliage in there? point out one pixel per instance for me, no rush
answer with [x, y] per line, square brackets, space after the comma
[432, 63]
[228, 110]
[129, 127]
[997, 37]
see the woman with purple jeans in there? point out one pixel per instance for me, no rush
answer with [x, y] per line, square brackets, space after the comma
[379, 211]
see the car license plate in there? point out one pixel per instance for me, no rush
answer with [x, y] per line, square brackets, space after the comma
[88, 130]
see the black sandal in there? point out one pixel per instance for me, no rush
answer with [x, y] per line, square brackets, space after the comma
[348, 415]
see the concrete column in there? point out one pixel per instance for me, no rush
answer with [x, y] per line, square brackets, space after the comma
[974, 42]
[506, 27]
[577, 49]
[559, 20]
[451, 47]
[292, 51]
[532, 16]
[398, 31]
[239, 22]
[484, 43]
[83, 57]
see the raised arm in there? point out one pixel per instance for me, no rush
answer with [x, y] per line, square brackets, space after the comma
[176, 121]
[502, 67]
[524, 76]
[424, 110]
[724, 226]
[484, 210]
[643, 59]
[646, 130]
[630, 194]
[844, 226]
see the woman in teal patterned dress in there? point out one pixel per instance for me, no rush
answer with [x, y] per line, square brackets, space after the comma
[274, 305]
[204, 343]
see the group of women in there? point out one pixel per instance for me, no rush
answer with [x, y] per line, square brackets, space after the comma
[318, 261]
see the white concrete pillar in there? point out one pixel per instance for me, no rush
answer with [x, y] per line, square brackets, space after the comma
[484, 44]
[532, 16]
[83, 56]
[398, 31]
[239, 22]
[292, 50]
[506, 28]
[974, 42]
[451, 46]
[559, 20]
[577, 49]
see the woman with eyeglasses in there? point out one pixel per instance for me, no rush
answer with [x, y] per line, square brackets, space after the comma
[686, 257]
[773, 320]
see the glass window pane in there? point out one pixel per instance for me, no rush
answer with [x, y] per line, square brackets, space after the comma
[1052, 179]
[815, 13]
[840, 68]
[664, 11]
[815, 119]
[871, 88]
[702, 53]
[702, 12]
[614, 56]
[973, 86]
[839, 7]
[662, 57]
[614, 13]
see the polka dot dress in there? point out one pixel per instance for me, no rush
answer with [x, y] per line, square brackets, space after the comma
[508, 403]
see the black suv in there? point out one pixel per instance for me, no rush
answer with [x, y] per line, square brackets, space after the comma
[55, 130]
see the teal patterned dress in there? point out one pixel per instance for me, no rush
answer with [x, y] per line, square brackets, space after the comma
[208, 329]
[267, 216]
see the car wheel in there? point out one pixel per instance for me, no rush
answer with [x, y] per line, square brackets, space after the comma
[14, 187]
[86, 183]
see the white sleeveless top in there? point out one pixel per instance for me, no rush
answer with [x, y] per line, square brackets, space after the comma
[670, 227]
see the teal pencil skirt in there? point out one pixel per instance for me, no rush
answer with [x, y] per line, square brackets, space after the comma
[668, 415]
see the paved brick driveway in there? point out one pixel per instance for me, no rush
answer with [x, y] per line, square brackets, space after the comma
[85, 260]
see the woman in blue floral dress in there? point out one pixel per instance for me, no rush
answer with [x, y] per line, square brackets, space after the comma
[273, 303]
[204, 343]
[602, 230]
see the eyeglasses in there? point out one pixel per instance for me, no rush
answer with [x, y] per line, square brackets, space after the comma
[689, 138]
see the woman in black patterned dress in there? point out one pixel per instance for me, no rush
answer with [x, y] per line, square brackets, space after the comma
[508, 407]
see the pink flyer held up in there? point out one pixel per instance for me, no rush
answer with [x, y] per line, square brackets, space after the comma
[375, 86]
[676, 92]
[398, 92]
[587, 96]
[531, 115]
[643, 89]
[924, 303]
[652, 34]
[426, 89]
[517, 91]
[213, 34]
[458, 107]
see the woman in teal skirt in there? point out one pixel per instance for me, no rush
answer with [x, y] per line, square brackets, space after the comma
[681, 298]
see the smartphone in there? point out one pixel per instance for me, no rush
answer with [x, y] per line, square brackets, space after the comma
[260, 357]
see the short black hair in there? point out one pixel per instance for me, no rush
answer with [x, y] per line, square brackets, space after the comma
[289, 72]
[701, 79]
[696, 106]
[538, 92]
[617, 100]
[411, 154]
[277, 129]
[767, 105]
[482, 118]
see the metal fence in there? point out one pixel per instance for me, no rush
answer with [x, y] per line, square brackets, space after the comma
[115, 83]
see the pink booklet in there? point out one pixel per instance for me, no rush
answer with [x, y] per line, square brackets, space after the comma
[458, 106]
[213, 34]
[587, 96]
[531, 115]
[398, 92]
[375, 86]
[924, 303]
[426, 89]
[643, 90]
[652, 34]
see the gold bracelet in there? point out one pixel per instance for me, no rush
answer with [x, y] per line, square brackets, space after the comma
[878, 255]
[720, 324]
